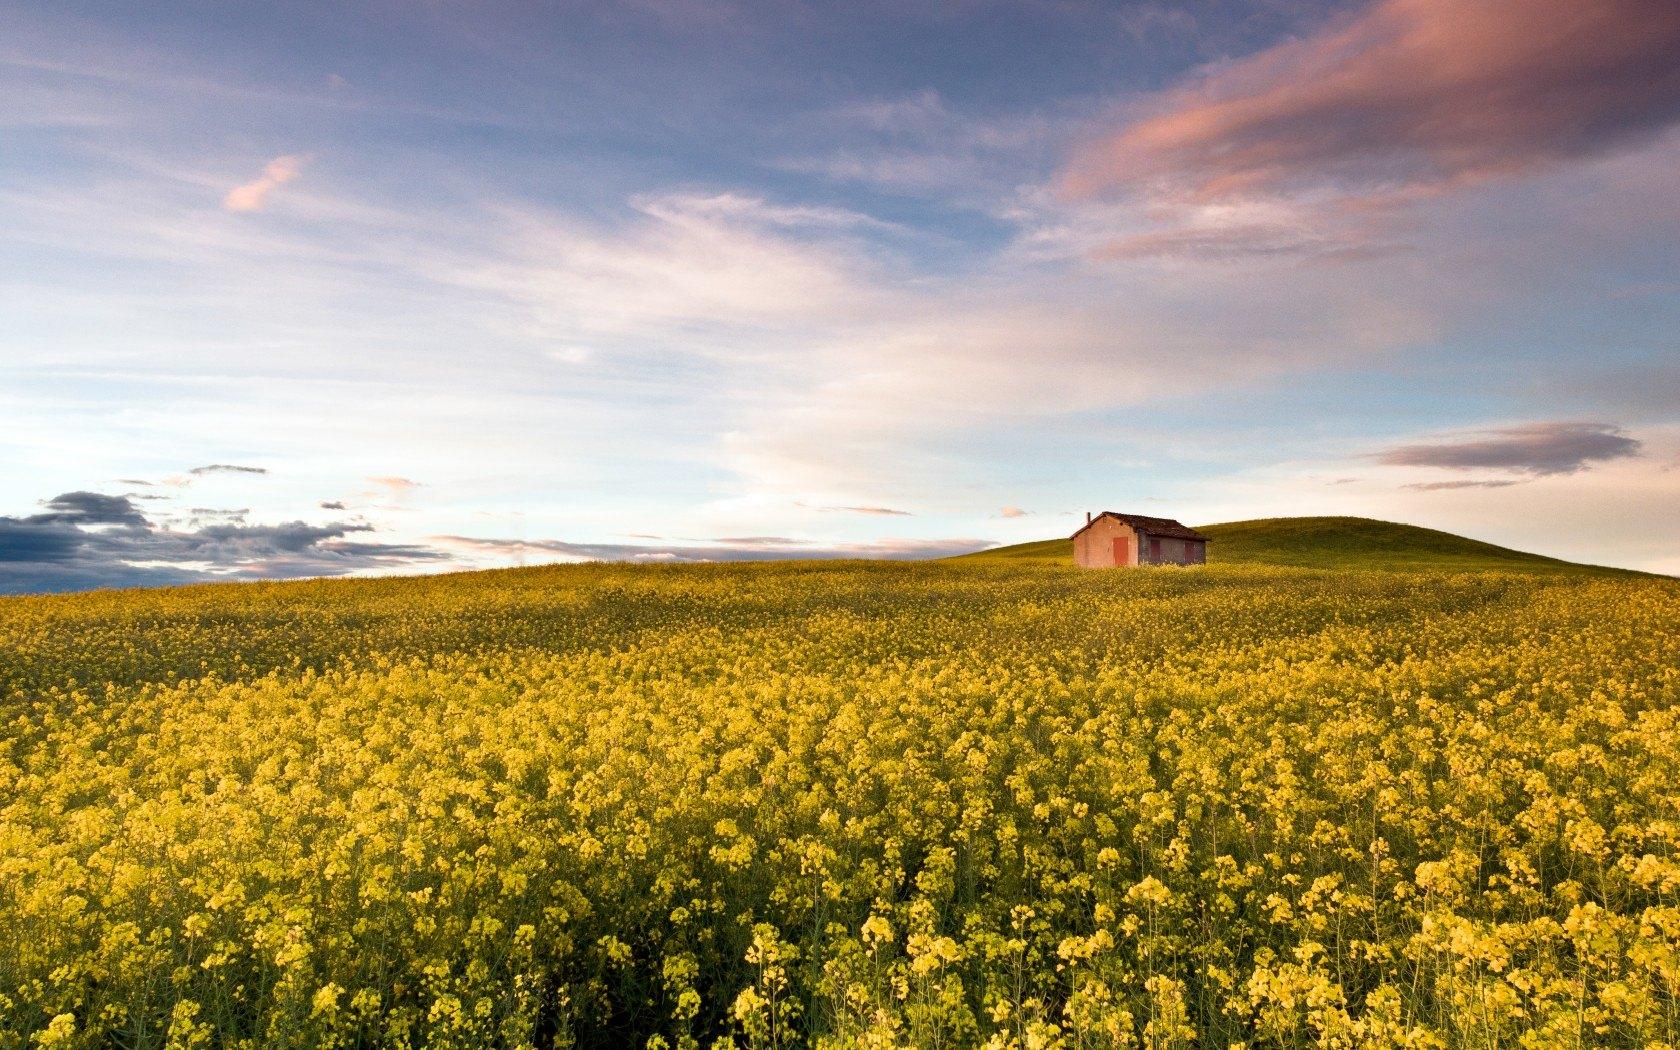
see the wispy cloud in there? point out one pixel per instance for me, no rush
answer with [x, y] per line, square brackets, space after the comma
[687, 266]
[747, 548]
[705, 208]
[226, 468]
[922, 144]
[1441, 486]
[916, 112]
[1530, 448]
[1204, 238]
[1407, 96]
[396, 486]
[827, 509]
[253, 195]
[1013, 512]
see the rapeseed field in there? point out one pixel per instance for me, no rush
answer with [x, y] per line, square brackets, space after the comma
[943, 805]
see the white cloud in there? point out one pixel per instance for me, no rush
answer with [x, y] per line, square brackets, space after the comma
[685, 266]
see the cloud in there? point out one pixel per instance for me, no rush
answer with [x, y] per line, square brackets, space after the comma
[918, 144]
[91, 508]
[1438, 486]
[394, 487]
[915, 112]
[1202, 239]
[1529, 448]
[252, 195]
[36, 539]
[87, 540]
[685, 267]
[226, 468]
[881, 511]
[691, 208]
[1013, 512]
[746, 548]
[331, 504]
[1407, 96]
[882, 408]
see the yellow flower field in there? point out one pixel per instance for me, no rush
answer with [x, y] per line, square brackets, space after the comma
[844, 805]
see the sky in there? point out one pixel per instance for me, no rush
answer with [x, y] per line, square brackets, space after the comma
[299, 289]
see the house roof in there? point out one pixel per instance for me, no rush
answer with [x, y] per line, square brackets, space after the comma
[1165, 527]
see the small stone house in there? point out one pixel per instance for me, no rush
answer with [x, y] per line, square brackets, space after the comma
[1111, 540]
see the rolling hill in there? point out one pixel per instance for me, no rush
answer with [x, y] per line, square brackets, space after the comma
[1337, 543]
[866, 803]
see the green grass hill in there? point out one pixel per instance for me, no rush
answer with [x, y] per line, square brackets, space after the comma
[1336, 543]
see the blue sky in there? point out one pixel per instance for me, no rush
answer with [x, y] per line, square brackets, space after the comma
[471, 285]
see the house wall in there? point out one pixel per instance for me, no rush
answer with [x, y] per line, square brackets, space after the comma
[1176, 552]
[1094, 547]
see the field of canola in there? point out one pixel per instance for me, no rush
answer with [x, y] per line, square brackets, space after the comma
[850, 804]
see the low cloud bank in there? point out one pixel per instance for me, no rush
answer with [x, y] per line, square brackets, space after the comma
[730, 549]
[85, 540]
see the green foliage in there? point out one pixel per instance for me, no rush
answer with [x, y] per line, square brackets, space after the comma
[954, 804]
[1336, 543]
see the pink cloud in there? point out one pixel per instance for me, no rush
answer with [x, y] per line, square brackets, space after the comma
[396, 486]
[880, 511]
[1253, 241]
[1013, 512]
[254, 194]
[1440, 486]
[1407, 97]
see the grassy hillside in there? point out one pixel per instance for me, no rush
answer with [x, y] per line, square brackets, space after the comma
[1336, 543]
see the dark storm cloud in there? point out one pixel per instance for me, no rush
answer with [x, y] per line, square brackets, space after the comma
[86, 540]
[227, 468]
[1531, 448]
[92, 508]
[38, 539]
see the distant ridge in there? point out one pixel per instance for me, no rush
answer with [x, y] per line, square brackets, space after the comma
[1338, 543]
